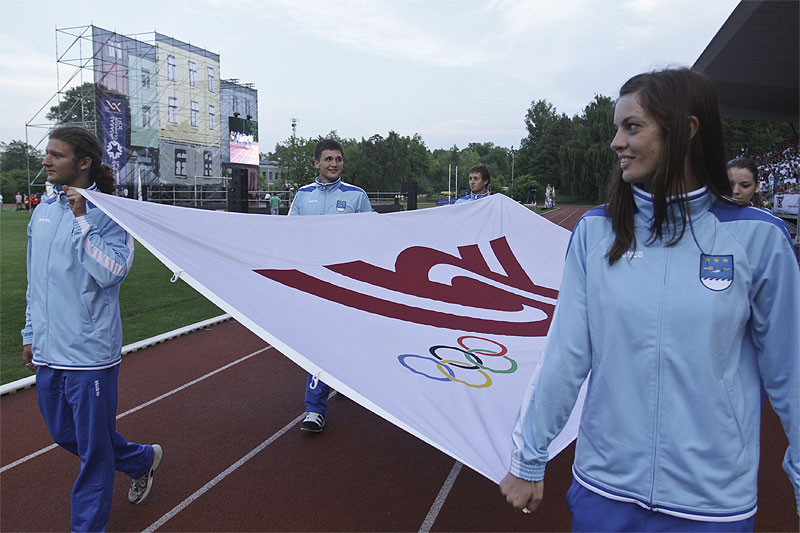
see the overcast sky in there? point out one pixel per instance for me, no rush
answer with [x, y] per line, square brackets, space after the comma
[454, 71]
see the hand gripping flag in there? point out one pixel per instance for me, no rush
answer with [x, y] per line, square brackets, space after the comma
[433, 319]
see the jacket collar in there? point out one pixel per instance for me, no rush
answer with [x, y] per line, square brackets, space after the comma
[325, 187]
[474, 196]
[697, 202]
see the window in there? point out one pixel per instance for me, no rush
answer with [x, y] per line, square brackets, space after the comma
[173, 109]
[195, 113]
[192, 73]
[212, 117]
[145, 78]
[180, 162]
[171, 68]
[207, 163]
[247, 108]
[114, 49]
[211, 79]
[235, 104]
[146, 116]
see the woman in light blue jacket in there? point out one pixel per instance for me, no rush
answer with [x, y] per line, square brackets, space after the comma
[678, 303]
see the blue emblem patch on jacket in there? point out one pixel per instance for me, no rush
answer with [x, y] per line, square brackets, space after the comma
[716, 271]
[341, 205]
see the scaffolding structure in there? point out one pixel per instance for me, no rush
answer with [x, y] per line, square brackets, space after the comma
[137, 75]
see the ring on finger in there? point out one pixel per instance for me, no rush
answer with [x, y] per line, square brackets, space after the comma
[525, 510]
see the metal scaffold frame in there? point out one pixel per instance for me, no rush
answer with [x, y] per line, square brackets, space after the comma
[82, 60]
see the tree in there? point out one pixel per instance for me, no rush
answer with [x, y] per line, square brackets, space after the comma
[753, 136]
[15, 155]
[76, 105]
[548, 131]
[296, 154]
[587, 159]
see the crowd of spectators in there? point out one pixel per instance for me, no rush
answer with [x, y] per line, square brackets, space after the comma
[779, 168]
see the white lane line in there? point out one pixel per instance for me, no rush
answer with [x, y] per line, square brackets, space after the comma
[225, 473]
[142, 406]
[438, 503]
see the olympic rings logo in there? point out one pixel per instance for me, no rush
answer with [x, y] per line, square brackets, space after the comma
[473, 361]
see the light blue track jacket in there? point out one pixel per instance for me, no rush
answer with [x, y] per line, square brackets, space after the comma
[472, 196]
[330, 198]
[75, 267]
[679, 341]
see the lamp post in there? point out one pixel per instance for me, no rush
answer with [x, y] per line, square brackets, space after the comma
[512, 167]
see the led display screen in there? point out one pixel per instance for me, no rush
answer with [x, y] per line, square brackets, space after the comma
[244, 140]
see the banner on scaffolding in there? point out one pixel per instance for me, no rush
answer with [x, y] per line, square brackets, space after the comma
[113, 126]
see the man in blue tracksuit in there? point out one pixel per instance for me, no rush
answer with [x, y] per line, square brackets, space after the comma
[328, 195]
[77, 258]
[479, 179]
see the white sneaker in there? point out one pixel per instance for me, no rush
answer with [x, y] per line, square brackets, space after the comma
[313, 422]
[140, 488]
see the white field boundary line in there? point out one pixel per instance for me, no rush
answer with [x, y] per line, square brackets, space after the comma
[24, 383]
[225, 473]
[145, 404]
[438, 503]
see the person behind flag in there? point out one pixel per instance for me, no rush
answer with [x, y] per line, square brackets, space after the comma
[274, 204]
[679, 303]
[72, 339]
[479, 179]
[328, 195]
[743, 175]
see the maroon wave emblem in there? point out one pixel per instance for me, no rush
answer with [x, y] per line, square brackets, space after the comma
[411, 277]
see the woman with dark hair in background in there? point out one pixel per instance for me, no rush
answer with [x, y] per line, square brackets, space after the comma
[677, 303]
[743, 176]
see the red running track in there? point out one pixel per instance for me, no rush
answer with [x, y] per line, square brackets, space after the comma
[226, 408]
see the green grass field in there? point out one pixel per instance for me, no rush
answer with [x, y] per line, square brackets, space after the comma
[150, 304]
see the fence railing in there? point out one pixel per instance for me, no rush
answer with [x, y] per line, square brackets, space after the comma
[216, 197]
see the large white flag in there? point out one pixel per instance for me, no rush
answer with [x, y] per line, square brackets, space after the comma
[434, 319]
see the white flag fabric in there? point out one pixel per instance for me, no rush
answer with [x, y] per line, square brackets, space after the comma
[434, 319]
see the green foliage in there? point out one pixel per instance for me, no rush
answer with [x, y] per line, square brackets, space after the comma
[587, 159]
[12, 182]
[14, 170]
[150, 304]
[539, 152]
[14, 157]
[573, 154]
[75, 105]
[374, 164]
[753, 136]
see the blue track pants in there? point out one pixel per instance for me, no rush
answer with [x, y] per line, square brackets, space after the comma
[316, 398]
[80, 408]
[592, 512]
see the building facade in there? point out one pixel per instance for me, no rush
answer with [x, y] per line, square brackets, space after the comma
[164, 114]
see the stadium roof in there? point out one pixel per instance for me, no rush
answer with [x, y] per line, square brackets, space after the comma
[753, 61]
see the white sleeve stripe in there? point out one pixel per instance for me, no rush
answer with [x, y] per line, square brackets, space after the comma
[102, 259]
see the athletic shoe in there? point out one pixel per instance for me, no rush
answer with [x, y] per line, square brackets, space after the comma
[313, 422]
[140, 488]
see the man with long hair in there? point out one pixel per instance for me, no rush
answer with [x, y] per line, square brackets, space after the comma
[72, 340]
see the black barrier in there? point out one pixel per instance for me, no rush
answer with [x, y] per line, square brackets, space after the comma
[237, 191]
[387, 208]
[411, 203]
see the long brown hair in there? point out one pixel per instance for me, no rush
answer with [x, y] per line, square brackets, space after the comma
[85, 144]
[672, 97]
[748, 164]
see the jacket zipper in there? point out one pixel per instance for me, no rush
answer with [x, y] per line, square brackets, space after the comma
[657, 413]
